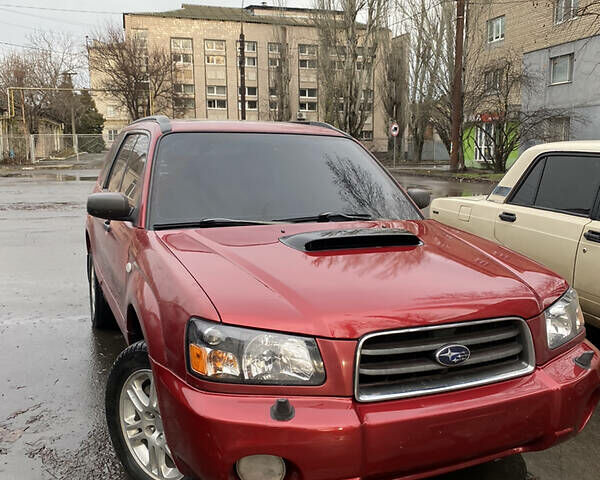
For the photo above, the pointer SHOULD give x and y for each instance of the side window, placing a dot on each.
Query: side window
(570, 184)
(116, 174)
(109, 159)
(528, 189)
(132, 180)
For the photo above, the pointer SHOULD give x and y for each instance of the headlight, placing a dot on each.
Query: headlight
(564, 319)
(241, 355)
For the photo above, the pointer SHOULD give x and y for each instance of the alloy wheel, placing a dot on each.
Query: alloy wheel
(142, 427)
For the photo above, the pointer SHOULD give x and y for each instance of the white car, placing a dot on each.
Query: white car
(546, 207)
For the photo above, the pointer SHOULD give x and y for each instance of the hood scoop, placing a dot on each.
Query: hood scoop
(326, 240)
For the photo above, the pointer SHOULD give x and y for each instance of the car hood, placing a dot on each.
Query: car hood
(256, 280)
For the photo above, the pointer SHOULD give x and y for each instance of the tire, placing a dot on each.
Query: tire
(100, 313)
(131, 378)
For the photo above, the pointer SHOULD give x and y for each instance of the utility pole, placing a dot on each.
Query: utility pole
(243, 71)
(457, 110)
(69, 82)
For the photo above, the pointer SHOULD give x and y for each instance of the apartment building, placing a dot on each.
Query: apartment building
(204, 46)
(559, 51)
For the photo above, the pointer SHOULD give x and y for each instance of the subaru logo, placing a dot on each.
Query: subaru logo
(452, 355)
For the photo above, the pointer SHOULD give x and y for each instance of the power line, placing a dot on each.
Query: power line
(63, 10)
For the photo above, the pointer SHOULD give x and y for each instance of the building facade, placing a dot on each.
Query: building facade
(557, 50)
(204, 45)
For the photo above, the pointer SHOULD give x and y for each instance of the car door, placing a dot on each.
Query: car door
(546, 214)
(587, 271)
(121, 235)
(108, 259)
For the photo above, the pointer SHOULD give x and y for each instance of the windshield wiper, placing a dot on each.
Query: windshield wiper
(211, 222)
(329, 217)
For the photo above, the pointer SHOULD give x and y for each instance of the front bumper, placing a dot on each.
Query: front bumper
(338, 438)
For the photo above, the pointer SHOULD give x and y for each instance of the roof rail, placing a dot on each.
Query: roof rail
(314, 123)
(163, 122)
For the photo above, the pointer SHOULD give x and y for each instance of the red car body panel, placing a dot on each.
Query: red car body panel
(245, 276)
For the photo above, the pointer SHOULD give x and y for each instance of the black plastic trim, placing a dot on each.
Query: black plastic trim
(351, 239)
(163, 122)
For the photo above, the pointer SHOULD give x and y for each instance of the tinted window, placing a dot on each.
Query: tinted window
(132, 180)
(528, 189)
(116, 174)
(267, 177)
(109, 158)
(570, 184)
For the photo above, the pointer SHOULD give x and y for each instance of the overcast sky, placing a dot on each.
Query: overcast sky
(16, 22)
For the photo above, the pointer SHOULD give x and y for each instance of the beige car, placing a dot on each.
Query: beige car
(546, 207)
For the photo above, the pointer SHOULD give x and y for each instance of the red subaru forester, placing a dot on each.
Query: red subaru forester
(291, 315)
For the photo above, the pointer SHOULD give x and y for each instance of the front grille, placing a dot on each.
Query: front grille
(402, 363)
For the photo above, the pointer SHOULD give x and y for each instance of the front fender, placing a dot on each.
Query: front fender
(164, 296)
(475, 215)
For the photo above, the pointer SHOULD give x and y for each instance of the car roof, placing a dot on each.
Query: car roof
(570, 146)
(230, 126)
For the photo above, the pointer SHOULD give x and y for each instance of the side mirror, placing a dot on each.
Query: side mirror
(421, 197)
(109, 205)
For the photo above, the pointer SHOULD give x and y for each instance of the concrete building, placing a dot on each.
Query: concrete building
(557, 48)
(203, 41)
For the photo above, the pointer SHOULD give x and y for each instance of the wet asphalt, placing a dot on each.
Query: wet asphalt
(53, 367)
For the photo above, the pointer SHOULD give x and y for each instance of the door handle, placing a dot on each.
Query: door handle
(106, 225)
(592, 236)
(507, 217)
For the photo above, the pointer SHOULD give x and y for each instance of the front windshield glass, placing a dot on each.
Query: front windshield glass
(252, 176)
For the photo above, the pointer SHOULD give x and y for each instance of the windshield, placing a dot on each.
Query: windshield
(267, 177)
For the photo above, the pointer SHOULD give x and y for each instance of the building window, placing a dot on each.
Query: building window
(484, 145)
(306, 64)
(249, 47)
(272, 91)
(274, 47)
(217, 90)
(304, 49)
(112, 134)
(249, 61)
(558, 129)
(366, 135)
(178, 44)
(182, 58)
(274, 62)
(141, 37)
(215, 60)
(111, 111)
(250, 105)
(273, 105)
(215, 45)
(492, 79)
(183, 88)
(561, 69)
(565, 10)
(250, 91)
(308, 92)
(184, 103)
(214, 104)
(308, 106)
(495, 29)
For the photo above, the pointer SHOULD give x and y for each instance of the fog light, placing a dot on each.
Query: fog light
(261, 467)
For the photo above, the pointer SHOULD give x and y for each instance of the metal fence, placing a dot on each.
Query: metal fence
(35, 148)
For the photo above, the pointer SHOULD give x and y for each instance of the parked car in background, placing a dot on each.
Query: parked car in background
(547, 207)
(291, 315)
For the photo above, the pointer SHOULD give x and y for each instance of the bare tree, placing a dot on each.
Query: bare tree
(138, 75)
(348, 50)
(502, 120)
(35, 79)
(279, 74)
(393, 82)
(426, 60)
